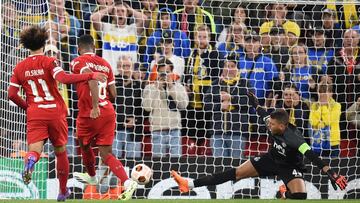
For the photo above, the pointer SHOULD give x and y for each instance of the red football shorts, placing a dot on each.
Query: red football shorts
(100, 130)
(54, 130)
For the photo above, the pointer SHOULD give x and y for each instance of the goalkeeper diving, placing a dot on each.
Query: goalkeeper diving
(284, 159)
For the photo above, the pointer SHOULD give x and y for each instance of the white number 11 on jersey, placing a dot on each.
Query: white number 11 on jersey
(45, 88)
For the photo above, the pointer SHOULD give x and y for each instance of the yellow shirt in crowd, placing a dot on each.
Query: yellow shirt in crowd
(327, 115)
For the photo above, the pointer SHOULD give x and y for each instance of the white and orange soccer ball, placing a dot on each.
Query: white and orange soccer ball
(142, 174)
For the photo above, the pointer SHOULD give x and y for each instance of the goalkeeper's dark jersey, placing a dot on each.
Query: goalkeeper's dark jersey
(286, 148)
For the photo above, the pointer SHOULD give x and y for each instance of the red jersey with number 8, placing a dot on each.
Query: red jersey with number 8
(95, 64)
(36, 75)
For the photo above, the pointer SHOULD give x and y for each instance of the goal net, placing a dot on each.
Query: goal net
(298, 55)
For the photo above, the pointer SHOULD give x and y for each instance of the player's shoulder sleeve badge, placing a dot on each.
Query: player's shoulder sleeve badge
(73, 64)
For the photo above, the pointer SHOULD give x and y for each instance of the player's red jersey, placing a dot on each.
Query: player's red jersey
(36, 75)
(95, 64)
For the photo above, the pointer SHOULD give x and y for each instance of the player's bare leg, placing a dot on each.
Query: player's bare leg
(31, 157)
(62, 169)
(245, 170)
(117, 168)
(295, 189)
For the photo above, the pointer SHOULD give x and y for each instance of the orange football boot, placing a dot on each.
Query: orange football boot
(182, 182)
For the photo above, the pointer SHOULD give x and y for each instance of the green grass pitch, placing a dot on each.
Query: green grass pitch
(185, 201)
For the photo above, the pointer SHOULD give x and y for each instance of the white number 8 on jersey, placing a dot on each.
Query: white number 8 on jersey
(102, 89)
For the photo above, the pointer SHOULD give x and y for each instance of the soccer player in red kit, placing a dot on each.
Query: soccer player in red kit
(96, 119)
(45, 109)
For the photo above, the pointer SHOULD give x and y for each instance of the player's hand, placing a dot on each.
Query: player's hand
(99, 76)
(95, 112)
(337, 180)
(253, 100)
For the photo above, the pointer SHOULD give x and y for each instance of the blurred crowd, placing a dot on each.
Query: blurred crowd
(183, 69)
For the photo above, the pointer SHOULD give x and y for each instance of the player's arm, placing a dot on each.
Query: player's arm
(13, 91)
(254, 102)
(94, 90)
(336, 180)
(14, 97)
(59, 74)
(112, 92)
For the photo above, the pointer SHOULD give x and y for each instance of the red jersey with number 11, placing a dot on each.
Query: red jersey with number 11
(96, 64)
(36, 75)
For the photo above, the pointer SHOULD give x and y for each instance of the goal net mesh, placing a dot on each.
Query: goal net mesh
(298, 55)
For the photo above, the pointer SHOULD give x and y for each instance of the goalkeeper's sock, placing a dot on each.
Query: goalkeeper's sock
(89, 161)
(214, 179)
(62, 168)
(116, 167)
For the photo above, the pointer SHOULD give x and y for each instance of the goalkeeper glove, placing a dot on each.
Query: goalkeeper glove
(253, 100)
(337, 180)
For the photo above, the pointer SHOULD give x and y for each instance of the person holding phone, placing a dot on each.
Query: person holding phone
(164, 98)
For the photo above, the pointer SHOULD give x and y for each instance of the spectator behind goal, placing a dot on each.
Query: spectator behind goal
(297, 109)
(301, 73)
(9, 29)
(333, 31)
(278, 50)
(344, 72)
(163, 99)
(191, 17)
(204, 66)
(319, 54)
(65, 28)
(118, 37)
(165, 29)
(260, 71)
(239, 16)
(234, 40)
(279, 12)
(325, 121)
(227, 101)
(165, 49)
(353, 116)
(129, 112)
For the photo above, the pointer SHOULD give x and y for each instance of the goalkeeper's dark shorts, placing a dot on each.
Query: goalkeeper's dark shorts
(266, 166)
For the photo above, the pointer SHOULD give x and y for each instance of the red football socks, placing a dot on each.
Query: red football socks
(89, 161)
(62, 168)
(116, 167)
(35, 156)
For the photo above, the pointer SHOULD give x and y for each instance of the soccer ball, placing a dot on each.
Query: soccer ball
(142, 174)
